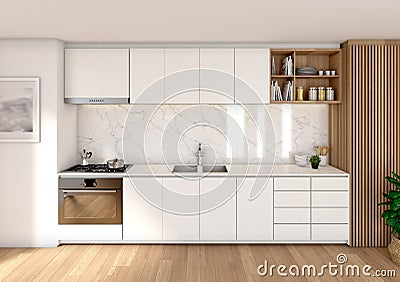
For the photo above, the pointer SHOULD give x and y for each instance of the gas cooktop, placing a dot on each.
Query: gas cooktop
(100, 168)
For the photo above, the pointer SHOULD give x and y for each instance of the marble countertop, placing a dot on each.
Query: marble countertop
(236, 170)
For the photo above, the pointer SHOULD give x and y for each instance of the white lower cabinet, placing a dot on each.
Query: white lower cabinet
(292, 215)
(255, 216)
(292, 209)
(311, 209)
(218, 209)
(142, 214)
(292, 199)
(330, 209)
(330, 215)
(174, 209)
(292, 232)
(181, 209)
(330, 232)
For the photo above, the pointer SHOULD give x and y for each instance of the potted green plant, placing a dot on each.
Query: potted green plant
(315, 160)
(392, 215)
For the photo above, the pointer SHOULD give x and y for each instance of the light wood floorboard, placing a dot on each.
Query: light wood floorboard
(179, 262)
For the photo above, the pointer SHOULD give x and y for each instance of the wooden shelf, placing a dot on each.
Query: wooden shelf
(321, 59)
(306, 102)
(282, 76)
(304, 76)
(316, 76)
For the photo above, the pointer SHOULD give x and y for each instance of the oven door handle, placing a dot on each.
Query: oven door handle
(69, 193)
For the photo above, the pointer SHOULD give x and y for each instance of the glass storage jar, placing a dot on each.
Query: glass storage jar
(321, 93)
(312, 94)
(300, 92)
(330, 94)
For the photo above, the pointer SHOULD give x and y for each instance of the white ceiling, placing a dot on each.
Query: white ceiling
(279, 21)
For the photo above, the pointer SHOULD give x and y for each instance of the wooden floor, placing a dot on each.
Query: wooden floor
(179, 262)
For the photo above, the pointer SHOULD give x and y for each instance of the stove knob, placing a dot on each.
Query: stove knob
(83, 184)
(94, 184)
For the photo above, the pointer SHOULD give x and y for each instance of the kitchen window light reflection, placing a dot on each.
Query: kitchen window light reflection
(286, 130)
(237, 115)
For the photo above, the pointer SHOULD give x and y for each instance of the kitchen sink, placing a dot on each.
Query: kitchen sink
(206, 169)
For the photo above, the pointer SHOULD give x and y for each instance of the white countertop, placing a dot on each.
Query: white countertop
(236, 170)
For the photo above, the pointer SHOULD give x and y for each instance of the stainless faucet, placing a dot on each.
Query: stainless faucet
(200, 155)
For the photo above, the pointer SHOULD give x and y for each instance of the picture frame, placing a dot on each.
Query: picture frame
(20, 109)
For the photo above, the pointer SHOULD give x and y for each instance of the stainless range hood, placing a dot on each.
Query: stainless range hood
(96, 101)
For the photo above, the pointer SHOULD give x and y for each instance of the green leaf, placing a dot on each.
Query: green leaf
(394, 194)
(388, 214)
(396, 175)
(397, 201)
(393, 181)
(392, 221)
(393, 207)
(385, 203)
(386, 196)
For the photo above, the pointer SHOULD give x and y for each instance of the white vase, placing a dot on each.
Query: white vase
(323, 160)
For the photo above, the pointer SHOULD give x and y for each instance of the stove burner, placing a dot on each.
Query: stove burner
(96, 168)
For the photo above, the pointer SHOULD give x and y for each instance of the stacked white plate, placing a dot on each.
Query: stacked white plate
(301, 159)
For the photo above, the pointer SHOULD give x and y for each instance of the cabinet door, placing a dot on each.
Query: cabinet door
(180, 209)
(147, 76)
(218, 209)
(254, 216)
(142, 219)
(182, 76)
(252, 69)
(217, 74)
(97, 73)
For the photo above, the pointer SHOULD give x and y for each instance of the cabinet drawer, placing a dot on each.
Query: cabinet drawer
(289, 215)
(329, 183)
(330, 215)
(330, 199)
(291, 183)
(331, 232)
(292, 232)
(292, 199)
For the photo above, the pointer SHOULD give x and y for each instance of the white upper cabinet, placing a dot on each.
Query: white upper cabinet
(217, 70)
(147, 76)
(218, 209)
(97, 75)
(255, 216)
(182, 76)
(252, 69)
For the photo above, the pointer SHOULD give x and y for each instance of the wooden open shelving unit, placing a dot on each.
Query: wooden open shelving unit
(321, 59)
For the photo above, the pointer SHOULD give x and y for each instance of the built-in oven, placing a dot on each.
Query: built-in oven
(90, 201)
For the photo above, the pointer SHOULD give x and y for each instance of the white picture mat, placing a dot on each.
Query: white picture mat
(22, 87)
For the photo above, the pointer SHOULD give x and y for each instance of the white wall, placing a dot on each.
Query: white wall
(28, 172)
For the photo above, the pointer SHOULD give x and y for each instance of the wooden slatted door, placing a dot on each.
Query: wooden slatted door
(365, 133)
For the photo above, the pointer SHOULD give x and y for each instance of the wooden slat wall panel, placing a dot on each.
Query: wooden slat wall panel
(364, 132)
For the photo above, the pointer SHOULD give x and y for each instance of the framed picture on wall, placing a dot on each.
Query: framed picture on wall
(19, 109)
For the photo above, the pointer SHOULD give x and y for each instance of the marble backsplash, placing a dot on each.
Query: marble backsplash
(228, 133)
